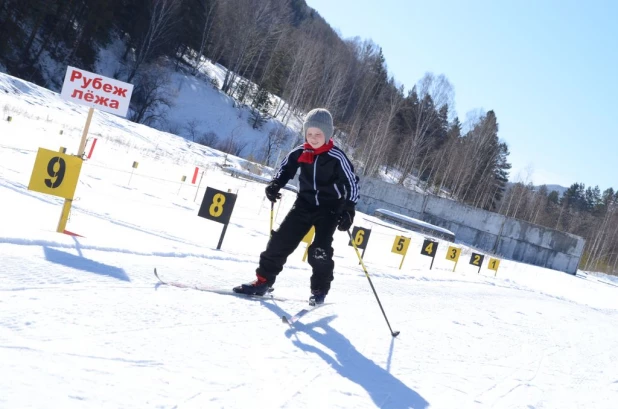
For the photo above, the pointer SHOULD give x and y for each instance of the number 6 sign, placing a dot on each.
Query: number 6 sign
(217, 206)
(361, 238)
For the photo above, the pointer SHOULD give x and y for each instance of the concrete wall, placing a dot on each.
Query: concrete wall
(491, 232)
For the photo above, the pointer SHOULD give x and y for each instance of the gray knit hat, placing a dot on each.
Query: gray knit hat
(319, 118)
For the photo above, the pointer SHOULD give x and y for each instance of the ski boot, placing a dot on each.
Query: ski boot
(259, 287)
(317, 297)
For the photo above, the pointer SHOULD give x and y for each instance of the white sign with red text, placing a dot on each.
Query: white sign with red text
(96, 91)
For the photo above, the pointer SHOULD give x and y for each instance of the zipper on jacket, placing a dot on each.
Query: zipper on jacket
(315, 185)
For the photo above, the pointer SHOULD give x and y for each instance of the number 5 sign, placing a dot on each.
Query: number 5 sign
(217, 206)
(55, 173)
(400, 246)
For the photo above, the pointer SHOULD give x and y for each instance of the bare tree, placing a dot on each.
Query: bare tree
(160, 27)
(426, 98)
(192, 128)
(151, 96)
(377, 144)
(232, 144)
(207, 139)
(209, 14)
(276, 138)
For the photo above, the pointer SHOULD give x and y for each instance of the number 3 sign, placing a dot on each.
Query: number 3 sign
(217, 206)
(55, 173)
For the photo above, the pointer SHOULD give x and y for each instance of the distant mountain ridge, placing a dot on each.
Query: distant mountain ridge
(550, 188)
(557, 188)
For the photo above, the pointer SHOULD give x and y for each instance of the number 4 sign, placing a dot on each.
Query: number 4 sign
(218, 206)
(429, 249)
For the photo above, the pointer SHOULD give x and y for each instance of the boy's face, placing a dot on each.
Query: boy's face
(315, 137)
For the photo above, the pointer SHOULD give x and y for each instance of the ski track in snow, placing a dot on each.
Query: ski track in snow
(85, 324)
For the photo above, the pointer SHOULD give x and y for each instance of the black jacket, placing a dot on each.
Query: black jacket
(329, 181)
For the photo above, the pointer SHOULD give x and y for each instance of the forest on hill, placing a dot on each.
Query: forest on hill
(285, 48)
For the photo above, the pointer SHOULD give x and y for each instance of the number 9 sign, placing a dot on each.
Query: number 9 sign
(55, 173)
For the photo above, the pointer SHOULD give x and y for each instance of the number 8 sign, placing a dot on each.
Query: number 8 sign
(217, 205)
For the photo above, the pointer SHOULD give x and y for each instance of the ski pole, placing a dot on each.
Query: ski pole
(272, 209)
(393, 333)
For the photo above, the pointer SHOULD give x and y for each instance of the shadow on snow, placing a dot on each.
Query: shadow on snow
(386, 391)
(81, 263)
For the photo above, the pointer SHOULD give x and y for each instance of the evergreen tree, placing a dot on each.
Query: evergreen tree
(575, 197)
(609, 197)
(260, 107)
(593, 199)
(554, 197)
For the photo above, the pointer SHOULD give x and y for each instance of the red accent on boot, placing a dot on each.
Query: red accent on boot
(260, 280)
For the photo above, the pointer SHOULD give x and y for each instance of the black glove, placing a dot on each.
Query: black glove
(272, 191)
(346, 216)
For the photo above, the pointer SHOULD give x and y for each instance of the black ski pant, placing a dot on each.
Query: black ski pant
(286, 239)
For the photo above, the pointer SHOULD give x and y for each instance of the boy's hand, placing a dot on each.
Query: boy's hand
(272, 191)
(346, 217)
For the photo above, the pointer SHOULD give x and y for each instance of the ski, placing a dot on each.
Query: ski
(217, 290)
(296, 317)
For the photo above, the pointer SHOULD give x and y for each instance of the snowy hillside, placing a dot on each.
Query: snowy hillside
(85, 324)
(198, 107)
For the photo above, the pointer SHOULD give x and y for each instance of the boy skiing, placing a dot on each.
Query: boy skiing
(327, 195)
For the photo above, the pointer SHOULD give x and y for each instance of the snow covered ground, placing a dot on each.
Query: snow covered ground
(84, 323)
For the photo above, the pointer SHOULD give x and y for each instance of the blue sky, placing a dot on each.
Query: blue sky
(549, 70)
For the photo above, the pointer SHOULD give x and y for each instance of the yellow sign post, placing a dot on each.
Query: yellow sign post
(400, 246)
(68, 202)
(308, 239)
(89, 89)
(56, 174)
(494, 264)
(133, 167)
(453, 254)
